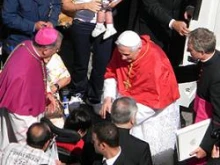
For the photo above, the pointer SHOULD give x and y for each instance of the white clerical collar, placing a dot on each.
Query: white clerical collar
(112, 160)
(208, 58)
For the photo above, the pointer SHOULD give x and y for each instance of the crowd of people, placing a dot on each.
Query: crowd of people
(132, 88)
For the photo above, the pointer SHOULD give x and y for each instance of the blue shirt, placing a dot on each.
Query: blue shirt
(20, 16)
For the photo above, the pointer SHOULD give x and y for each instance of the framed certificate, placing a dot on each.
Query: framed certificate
(189, 138)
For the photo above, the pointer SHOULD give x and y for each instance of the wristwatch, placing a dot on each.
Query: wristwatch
(57, 86)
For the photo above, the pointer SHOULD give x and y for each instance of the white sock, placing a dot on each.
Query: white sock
(99, 24)
(109, 26)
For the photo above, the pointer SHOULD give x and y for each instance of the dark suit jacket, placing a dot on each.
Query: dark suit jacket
(153, 18)
(213, 161)
(208, 89)
(121, 160)
(135, 150)
(155, 15)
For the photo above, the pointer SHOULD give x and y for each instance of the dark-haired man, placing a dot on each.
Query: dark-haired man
(105, 137)
(32, 153)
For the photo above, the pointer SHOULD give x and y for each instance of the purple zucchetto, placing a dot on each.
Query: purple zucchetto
(46, 36)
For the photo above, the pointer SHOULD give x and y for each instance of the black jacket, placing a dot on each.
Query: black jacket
(121, 160)
(136, 150)
(208, 88)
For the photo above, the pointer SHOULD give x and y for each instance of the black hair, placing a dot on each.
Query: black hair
(79, 119)
(107, 132)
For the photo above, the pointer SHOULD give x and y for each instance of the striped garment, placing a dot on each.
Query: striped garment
(22, 154)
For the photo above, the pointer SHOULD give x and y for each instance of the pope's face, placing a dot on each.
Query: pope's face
(127, 54)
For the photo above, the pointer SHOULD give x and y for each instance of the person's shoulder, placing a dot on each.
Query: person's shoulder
(122, 160)
(128, 140)
(138, 142)
(26, 42)
(14, 145)
(217, 52)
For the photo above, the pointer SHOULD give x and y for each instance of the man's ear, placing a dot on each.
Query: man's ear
(103, 145)
(45, 52)
(132, 121)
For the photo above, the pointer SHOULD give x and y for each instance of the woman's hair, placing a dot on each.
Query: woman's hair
(79, 119)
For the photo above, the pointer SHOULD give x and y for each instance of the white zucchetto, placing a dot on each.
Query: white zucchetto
(129, 39)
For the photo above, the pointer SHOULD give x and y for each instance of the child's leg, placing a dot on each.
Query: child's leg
(108, 17)
(110, 30)
(99, 28)
(101, 17)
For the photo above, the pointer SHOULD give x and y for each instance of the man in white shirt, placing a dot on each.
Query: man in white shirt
(32, 153)
(105, 137)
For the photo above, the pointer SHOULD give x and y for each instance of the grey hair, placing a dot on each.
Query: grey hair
(123, 110)
(202, 40)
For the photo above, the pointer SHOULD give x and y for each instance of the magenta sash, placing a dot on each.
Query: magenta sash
(203, 111)
(202, 108)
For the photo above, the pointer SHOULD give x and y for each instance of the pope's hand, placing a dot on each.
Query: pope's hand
(106, 107)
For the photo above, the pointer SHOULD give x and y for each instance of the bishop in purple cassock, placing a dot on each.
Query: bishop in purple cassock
(23, 94)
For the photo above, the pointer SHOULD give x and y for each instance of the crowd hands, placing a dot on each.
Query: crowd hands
(41, 24)
(180, 26)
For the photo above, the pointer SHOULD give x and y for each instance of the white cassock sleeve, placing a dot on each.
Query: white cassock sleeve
(110, 88)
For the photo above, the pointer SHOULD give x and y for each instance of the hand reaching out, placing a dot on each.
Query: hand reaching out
(106, 107)
(41, 24)
(180, 27)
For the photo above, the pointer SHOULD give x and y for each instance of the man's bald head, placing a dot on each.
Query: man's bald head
(38, 134)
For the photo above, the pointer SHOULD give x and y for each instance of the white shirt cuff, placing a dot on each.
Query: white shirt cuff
(170, 24)
(110, 88)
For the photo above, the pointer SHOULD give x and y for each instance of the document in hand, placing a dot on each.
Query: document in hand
(189, 138)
